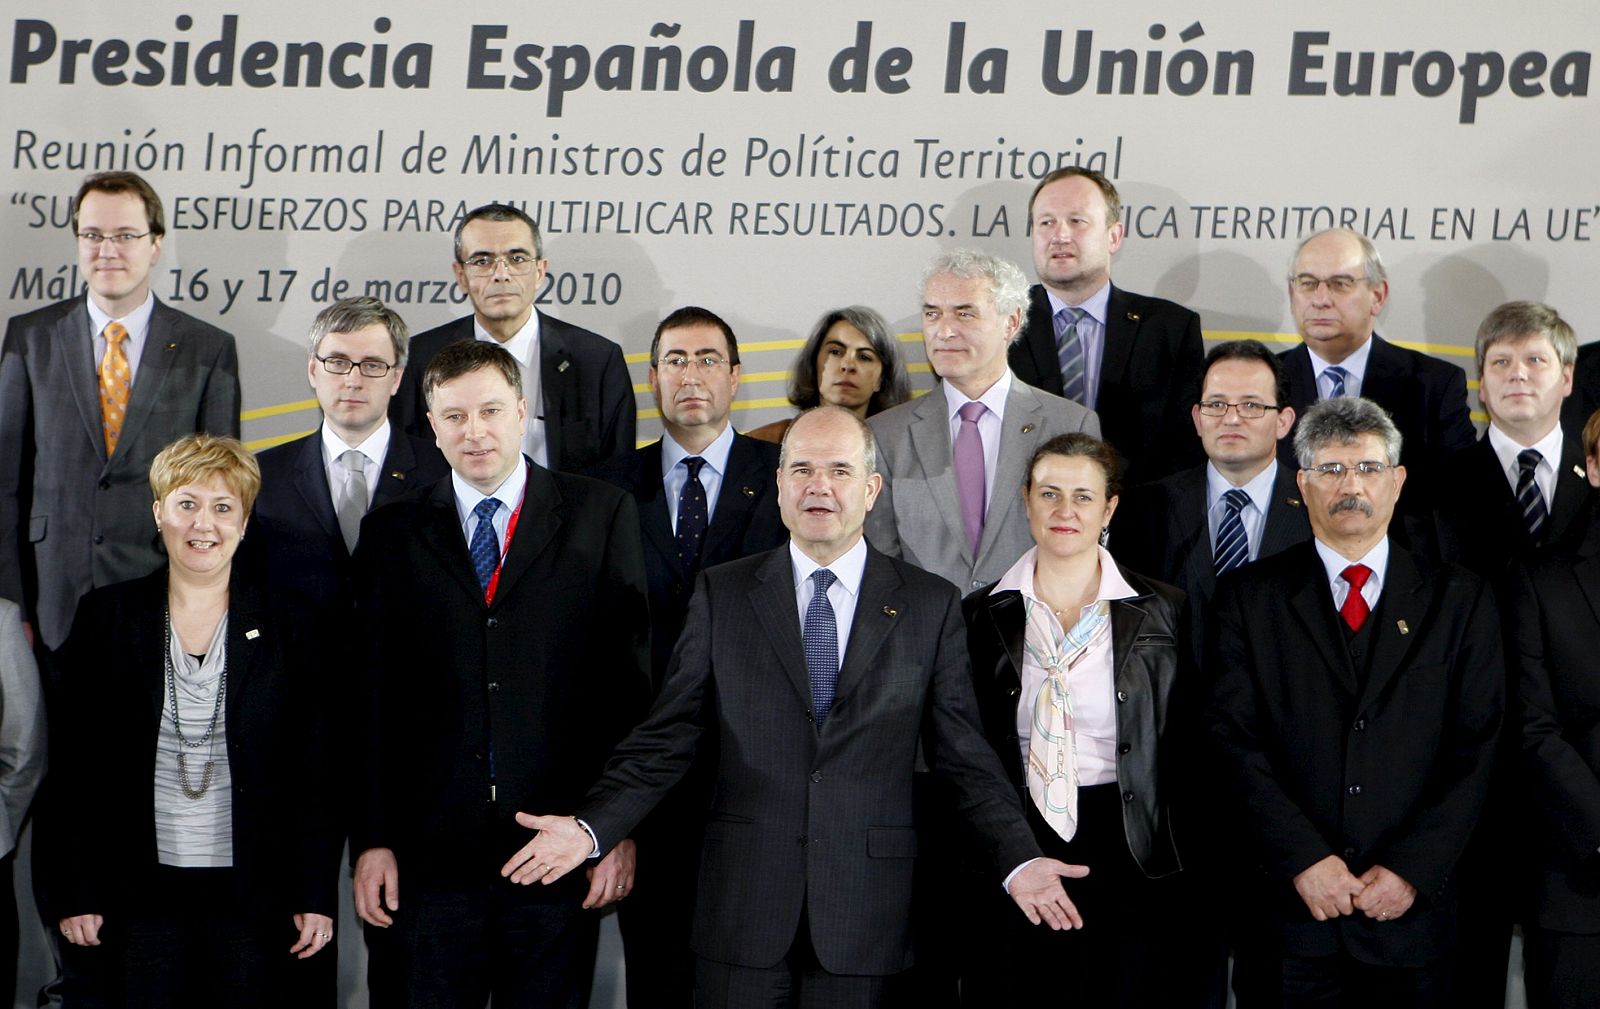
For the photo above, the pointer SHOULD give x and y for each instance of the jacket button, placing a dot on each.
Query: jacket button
(477, 755)
(492, 623)
(977, 584)
(1124, 747)
(1122, 697)
(801, 840)
(816, 775)
(1349, 854)
(98, 539)
(1354, 789)
(1127, 796)
(1361, 724)
(494, 686)
(105, 484)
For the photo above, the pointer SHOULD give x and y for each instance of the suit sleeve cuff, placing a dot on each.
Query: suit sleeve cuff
(594, 852)
(1012, 874)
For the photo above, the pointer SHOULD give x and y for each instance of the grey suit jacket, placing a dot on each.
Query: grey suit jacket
(71, 519)
(918, 514)
(22, 733)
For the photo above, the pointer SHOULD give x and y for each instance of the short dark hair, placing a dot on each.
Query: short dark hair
(123, 182)
(466, 356)
(1107, 189)
(500, 212)
(694, 315)
(895, 387)
(1076, 444)
(1250, 350)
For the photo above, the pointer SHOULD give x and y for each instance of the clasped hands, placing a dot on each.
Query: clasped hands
(1330, 890)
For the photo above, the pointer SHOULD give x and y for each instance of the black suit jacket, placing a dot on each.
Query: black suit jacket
(1149, 656)
(70, 518)
(278, 714)
(1161, 529)
(1426, 397)
(1556, 610)
(293, 539)
(746, 521)
(547, 678)
(588, 396)
(801, 818)
(1480, 523)
(1585, 398)
(1311, 763)
(1149, 377)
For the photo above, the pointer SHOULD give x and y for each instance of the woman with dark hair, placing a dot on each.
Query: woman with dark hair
(197, 843)
(1075, 661)
(851, 359)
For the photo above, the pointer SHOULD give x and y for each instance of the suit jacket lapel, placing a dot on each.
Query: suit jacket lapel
(741, 485)
(396, 468)
(1127, 618)
(1312, 603)
(650, 490)
(162, 345)
(1302, 384)
(1191, 530)
(311, 481)
(554, 363)
(1021, 433)
(773, 600)
(441, 533)
(1286, 522)
(244, 642)
(1572, 490)
(1007, 615)
(1122, 329)
(147, 642)
(537, 525)
(1405, 604)
(930, 438)
(77, 350)
(878, 608)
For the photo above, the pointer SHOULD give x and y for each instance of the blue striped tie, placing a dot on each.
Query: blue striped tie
(484, 549)
(821, 637)
(1233, 546)
(1336, 375)
(1069, 353)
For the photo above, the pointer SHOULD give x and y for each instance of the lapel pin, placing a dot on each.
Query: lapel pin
(1404, 629)
(172, 346)
(890, 611)
(1293, 502)
(1133, 316)
(252, 634)
(1027, 429)
(563, 366)
(1580, 471)
(397, 474)
(748, 491)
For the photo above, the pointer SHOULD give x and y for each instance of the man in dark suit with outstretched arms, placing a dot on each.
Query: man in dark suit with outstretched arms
(1356, 698)
(818, 667)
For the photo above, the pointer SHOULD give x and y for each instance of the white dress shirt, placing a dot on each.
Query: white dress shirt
(990, 425)
(1091, 333)
(674, 474)
(524, 346)
(136, 322)
(1544, 475)
(373, 451)
(1334, 563)
(1253, 515)
(847, 568)
(1355, 365)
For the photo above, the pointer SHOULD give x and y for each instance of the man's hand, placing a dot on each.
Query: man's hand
(316, 931)
(559, 847)
(612, 879)
(1328, 888)
(1037, 890)
(1386, 896)
(83, 929)
(377, 886)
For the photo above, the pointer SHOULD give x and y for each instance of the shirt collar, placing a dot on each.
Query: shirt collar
(522, 346)
(1020, 578)
(994, 398)
(375, 448)
(509, 493)
(848, 567)
(1259, 487)
(715, 454)
(1506, 450)
(136, 322)
(1334, 563)
(1355, 364)
(1095, 307)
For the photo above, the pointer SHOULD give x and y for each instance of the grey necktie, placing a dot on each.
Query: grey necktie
(352, 501)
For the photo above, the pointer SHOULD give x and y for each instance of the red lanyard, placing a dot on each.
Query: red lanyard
(511, 528)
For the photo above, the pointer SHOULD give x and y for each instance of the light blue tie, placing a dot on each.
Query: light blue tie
(485, 550)
(821, 637)
(1069, 353)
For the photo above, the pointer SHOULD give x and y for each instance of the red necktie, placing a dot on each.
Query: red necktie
(1355, 608)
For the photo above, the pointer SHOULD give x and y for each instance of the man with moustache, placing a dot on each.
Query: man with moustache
(580, 398)
(706, 495)
(1133, 359)
(1356, 696)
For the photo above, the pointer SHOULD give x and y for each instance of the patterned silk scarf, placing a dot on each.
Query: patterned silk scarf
(1052, 745)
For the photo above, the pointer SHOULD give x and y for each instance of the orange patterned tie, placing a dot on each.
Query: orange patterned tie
(115, 382)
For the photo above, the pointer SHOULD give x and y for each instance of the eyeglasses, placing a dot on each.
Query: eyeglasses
(677, 364)
(517, 264)
(1248, 410)
(119, 239)
(1307, 284)
(343, 365)
(1333, 472)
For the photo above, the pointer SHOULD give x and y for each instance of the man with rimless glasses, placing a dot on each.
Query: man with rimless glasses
(580, 399)
(1356, 696)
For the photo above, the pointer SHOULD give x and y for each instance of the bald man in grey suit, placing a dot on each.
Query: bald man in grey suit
(973, 308)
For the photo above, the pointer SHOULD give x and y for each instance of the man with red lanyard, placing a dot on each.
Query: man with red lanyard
(507, 607)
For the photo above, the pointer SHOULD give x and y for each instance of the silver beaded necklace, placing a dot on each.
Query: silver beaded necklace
(184, 781)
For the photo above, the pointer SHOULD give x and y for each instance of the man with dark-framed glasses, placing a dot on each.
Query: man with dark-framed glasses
(580, 399)
(1356, 696)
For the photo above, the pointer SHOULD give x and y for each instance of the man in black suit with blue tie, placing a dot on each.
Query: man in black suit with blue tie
(706, 494)
(315, 490)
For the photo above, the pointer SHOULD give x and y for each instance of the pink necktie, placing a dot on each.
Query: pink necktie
(969, 473)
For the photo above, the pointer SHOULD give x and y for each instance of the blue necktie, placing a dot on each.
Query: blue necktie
(692, 516)
(1233, 546)
(1528, 497)
(821, 636)
(1336, 375)
(485, 550)
(1069, 353)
